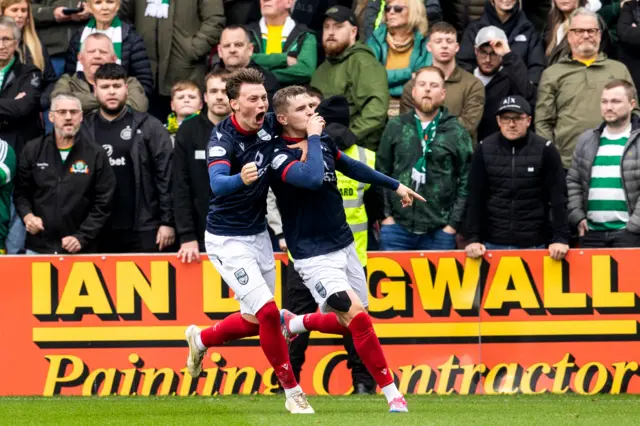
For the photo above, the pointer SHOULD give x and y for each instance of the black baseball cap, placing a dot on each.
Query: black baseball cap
(514, 104)
(341, 14)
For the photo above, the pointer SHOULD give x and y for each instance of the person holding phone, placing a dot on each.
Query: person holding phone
(56, 21)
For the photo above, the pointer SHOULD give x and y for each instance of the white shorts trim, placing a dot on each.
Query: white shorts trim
(330, 273)
(247, 265)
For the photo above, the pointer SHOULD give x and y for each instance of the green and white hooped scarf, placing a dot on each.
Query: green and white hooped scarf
(157, 9)
(114, 32)
(419, 172)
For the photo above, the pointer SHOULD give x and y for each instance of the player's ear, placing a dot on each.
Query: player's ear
(234, 104)
(281, 119)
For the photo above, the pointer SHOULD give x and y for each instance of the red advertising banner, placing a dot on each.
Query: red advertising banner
(514, 322)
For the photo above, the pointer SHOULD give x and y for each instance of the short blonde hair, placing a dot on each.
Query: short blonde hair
(417, 19)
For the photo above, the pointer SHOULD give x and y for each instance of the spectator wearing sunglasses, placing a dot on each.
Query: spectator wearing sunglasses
(400, 44)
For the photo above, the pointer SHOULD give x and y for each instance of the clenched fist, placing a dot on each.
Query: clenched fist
(315, 125)
(249, 173)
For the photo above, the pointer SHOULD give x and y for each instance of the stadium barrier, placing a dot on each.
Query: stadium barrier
(515, 322)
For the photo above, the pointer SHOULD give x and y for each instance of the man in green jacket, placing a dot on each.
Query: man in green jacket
(428, 150)
(178, 36)
(7, 173)
(352, 70)
(283, 46)
(568, 102)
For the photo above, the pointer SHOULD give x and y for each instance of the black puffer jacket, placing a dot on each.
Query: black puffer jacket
(524, 40)
(509, 81)
(513, 186)
(134, 57)
(49, 76)
(152, 157)
(629, 34)
(20, 118)
(464, 11)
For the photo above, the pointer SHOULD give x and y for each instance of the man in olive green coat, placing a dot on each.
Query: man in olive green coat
(178, 36)
(569, 92)
(352, 70)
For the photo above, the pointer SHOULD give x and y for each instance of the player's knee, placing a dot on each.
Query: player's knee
(340, 302)
(268, 313)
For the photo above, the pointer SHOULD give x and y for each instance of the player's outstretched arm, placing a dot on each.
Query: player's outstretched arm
(308, 175)
(363, 173)
(221, 183)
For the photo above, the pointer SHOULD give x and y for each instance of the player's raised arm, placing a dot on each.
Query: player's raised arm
(220, 153)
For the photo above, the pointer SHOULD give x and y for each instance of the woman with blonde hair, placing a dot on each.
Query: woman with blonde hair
(32, 50)
(400, 44)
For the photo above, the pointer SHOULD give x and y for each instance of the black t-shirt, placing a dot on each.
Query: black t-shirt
(116, 138)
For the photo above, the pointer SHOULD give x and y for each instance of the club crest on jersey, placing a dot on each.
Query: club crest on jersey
(79, 167)
(321, 290)
(241, 276)
(126, 133)
(259, 158)
(262, 134)
(278, 161)
(217, 151)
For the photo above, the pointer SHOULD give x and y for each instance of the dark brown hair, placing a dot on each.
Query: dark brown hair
(282, 97)
(628, 87)
(444, 28)
(221, 73)
(240, 77)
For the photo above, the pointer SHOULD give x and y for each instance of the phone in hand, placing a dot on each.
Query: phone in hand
(68, 11)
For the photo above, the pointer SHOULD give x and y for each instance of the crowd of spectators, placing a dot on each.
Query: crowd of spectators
(515, 119)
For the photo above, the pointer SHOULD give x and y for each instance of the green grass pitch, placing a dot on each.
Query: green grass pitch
(343, 411)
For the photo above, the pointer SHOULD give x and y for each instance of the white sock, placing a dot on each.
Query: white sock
(391, 392)
(296, 325)
(290, 392)
(199, 343)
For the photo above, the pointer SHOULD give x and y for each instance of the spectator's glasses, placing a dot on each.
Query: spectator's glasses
(6, 41)
(396, 8)
(483, 54)
(65, 112)
(581, 32)
(515, 119)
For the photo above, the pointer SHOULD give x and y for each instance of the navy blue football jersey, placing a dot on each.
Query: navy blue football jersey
(314, 222)
(242, 212)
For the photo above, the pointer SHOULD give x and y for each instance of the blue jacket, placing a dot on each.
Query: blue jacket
(420, 57)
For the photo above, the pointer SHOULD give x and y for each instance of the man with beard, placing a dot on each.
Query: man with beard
(97, 50)
(428, 150)
(524, 39)
(465, 94)
(191, 190)
(516, 183)
(64, 186)
(565, 107)
(603, 185)
(353, 71)
(503, 74)
(139, 150)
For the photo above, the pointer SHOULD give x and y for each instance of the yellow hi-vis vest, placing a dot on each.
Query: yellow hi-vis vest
(353, 200)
